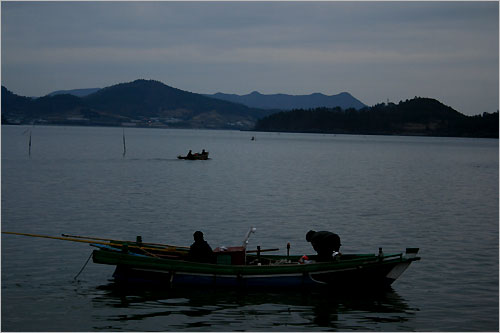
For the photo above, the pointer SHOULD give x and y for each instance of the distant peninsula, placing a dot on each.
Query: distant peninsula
(418, 116)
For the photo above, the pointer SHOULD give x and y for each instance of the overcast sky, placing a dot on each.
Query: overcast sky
(373, 50)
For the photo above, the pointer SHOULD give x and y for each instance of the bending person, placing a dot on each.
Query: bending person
(325, 243)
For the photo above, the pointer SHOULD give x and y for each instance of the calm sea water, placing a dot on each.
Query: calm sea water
(438, 194)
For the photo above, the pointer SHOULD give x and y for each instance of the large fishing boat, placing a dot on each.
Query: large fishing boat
(170, 266)
(237, 268)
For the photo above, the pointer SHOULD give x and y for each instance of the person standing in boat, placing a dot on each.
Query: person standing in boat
(200, 251)
(325, 243)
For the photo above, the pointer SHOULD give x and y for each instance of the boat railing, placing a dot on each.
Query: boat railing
(294, 259)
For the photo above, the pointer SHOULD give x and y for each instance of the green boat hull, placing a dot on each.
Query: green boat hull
(350, 270)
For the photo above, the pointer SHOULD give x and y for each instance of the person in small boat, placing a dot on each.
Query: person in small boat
(203, 152)
(190, 154)
(325, 243)
(200, 251)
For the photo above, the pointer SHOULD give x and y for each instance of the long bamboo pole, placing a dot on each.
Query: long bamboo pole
(130, 245)
(115, 240)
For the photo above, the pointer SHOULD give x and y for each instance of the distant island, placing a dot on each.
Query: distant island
(418, 116)
(150, 103)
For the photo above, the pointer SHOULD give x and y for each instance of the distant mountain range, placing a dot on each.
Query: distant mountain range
(289, 102)
(154, 104)
(75, 92)
(139, 103)
(149, 103)
(266, 102)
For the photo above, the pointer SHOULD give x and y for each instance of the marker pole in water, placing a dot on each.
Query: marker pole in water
(124, 146)
(29, 146)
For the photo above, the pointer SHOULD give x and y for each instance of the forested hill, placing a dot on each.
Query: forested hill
(419, 116)
(141, 103)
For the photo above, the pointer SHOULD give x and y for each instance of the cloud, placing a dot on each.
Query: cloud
(408, 44)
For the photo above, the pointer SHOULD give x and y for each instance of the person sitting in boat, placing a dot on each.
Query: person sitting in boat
(203, 152)
(325, 243)
(200, 251)
(190, 154)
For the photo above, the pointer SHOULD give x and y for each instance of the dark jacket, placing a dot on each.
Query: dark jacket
(200, 251)
(325, 243)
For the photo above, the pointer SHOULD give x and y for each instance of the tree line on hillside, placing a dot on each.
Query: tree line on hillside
(419, 116)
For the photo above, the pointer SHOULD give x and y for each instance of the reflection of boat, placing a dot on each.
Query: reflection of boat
(254, 309)
(235, 267)
(385, 301)
(195, 156)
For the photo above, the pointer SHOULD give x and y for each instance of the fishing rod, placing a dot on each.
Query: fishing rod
(130, 245)
(121, 241)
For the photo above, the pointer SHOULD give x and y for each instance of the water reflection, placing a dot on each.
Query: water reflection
(188, 309)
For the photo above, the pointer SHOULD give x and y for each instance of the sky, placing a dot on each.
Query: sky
(376, 51)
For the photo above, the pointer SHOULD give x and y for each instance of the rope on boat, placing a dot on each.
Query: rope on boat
(81, 270)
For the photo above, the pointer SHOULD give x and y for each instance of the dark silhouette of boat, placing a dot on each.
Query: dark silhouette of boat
(351, 271)
(196, 156)
(169, 265)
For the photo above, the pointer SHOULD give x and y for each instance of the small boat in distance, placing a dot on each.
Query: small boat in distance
(196, 156)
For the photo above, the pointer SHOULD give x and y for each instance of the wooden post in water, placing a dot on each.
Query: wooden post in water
(29, 146)
(124, 146)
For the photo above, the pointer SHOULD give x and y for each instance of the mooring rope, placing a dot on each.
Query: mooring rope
(81, 270)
